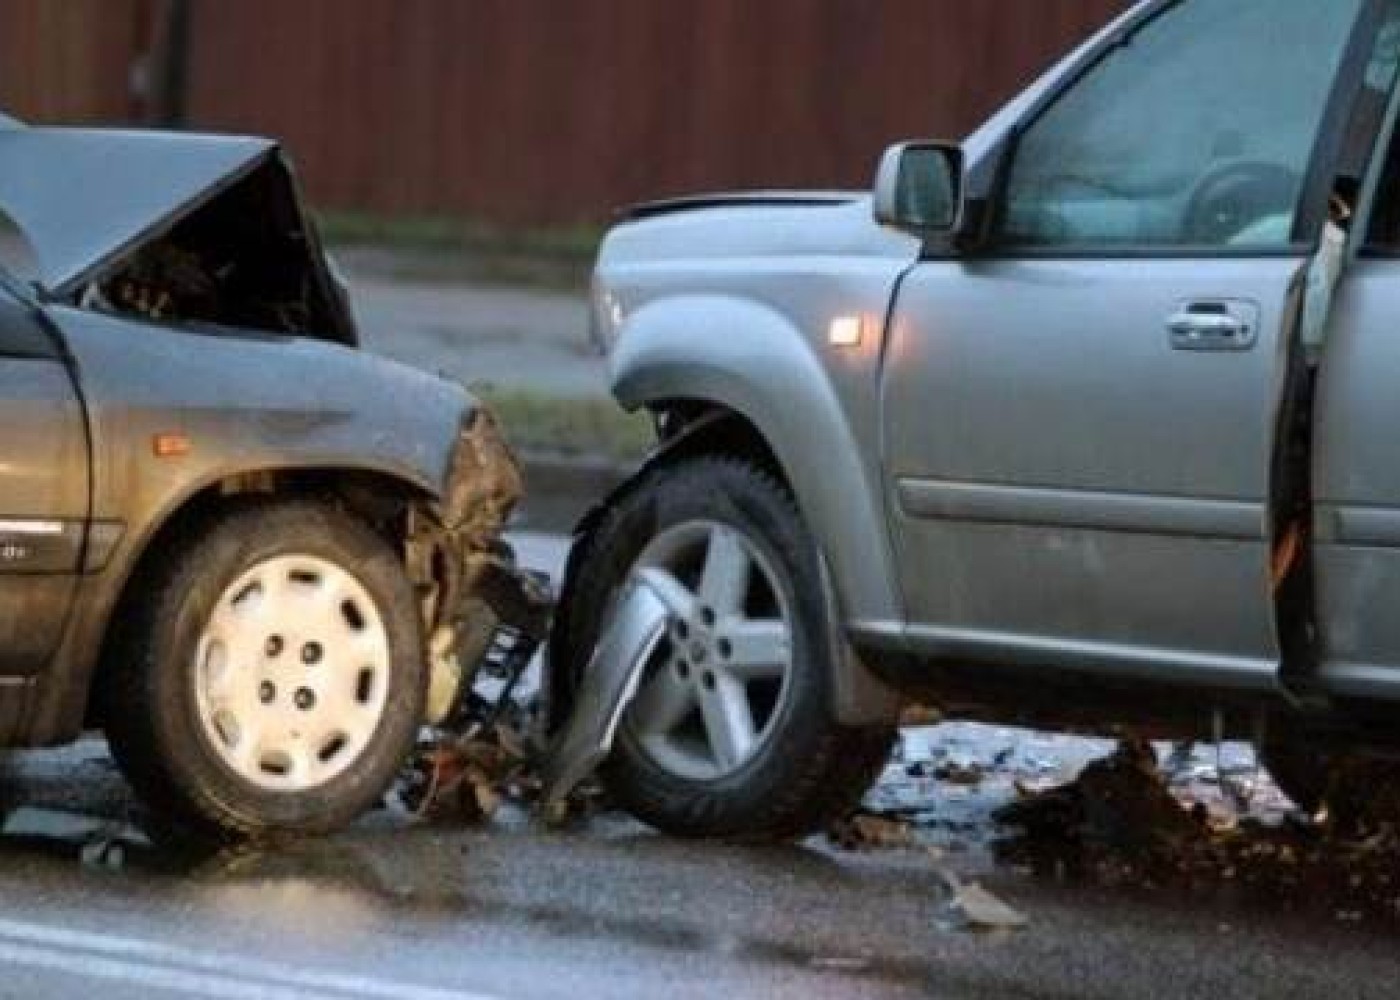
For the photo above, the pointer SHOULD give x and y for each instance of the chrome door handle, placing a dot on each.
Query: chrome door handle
(1212, 327)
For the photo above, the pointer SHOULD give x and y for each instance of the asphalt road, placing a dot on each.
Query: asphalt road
(513, 911)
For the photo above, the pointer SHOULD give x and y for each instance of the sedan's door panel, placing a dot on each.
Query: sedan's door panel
(1069, 476)
(43, 494)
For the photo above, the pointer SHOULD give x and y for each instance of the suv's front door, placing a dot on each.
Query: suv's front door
(43, 491)
(1080, 423)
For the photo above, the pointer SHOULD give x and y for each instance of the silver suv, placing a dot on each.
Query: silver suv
(1088, 420)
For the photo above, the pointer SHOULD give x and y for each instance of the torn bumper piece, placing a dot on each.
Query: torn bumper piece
(609, 687)
(482, 612)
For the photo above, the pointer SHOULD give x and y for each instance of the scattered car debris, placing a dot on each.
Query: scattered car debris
(639, 623)
(1120, 823)
(972, 908)
(490, 747)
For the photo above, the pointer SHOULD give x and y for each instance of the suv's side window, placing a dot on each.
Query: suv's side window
(1198, 131)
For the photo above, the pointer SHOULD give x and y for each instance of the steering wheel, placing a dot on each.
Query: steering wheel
(1234, 196)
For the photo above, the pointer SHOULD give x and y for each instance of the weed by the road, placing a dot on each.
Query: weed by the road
(583, 428)
(443, 248)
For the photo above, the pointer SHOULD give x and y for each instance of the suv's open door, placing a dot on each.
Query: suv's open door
(1081, 420)
(1356, 474)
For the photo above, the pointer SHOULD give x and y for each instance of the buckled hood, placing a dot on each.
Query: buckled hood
(76, 203)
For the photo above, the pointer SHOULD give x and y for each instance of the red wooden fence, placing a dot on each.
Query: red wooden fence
(554, 110)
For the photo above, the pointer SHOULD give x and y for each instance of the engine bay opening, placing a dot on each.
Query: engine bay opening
(246, 258)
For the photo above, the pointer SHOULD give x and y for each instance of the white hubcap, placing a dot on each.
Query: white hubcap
(713, 694)
(292, 673)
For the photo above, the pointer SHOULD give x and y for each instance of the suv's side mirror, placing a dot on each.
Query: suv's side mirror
(919, 188)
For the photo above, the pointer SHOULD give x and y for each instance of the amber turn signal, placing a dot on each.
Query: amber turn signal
(170, 445)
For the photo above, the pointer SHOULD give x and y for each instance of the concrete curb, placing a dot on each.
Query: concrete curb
(560, 489)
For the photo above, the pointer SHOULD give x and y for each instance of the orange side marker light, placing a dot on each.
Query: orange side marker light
(170, 445)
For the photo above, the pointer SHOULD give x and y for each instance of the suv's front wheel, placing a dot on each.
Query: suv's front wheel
(733, 731)
(271, 676)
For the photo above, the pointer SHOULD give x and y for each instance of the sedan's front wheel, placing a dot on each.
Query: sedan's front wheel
(273, 674)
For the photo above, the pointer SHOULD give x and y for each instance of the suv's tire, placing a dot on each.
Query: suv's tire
(234, 715)
(695, 771)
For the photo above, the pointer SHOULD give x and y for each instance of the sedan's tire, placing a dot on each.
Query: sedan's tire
(269, 676)
(733, 732)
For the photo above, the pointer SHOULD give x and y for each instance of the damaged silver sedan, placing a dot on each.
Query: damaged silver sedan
(254, 556)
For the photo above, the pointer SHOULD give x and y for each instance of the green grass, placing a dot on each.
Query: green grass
(449, 248)
(582, 428)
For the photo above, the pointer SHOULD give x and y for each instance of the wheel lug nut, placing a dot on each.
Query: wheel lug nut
(682, 631)
(707, 615)
(311, 653)
(683, 669)
(305, 699)
(709, 680)
(275, 645)
(267, 692)
(725, 649)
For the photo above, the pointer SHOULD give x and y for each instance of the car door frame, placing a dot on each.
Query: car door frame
(1355, 550)
(990, 155)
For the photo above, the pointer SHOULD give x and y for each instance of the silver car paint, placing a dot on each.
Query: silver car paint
(1357, 486)
(734, 305)
(1082, 481)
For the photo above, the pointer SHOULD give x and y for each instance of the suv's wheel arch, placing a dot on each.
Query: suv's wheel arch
(693, 429)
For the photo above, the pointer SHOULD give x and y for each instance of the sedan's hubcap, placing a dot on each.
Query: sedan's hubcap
(292, 673)
(715, 690)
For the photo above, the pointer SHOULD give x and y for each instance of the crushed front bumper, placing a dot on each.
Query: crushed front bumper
(480, 609)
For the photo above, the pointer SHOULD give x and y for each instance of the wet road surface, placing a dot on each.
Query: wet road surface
(396, 908)
(393, 909)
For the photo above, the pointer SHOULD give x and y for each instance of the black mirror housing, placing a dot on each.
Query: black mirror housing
(919, 188)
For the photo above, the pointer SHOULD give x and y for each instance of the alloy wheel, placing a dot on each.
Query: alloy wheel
(715, 689)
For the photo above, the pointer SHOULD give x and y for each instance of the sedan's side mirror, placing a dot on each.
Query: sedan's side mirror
(919, 188)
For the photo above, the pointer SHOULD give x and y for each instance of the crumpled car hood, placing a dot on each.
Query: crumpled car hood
(74, 202)
(81, 198)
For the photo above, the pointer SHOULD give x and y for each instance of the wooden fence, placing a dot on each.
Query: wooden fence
(549, 111)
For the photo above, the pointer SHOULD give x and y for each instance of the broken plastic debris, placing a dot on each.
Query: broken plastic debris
(609, 686)
(973, 908)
